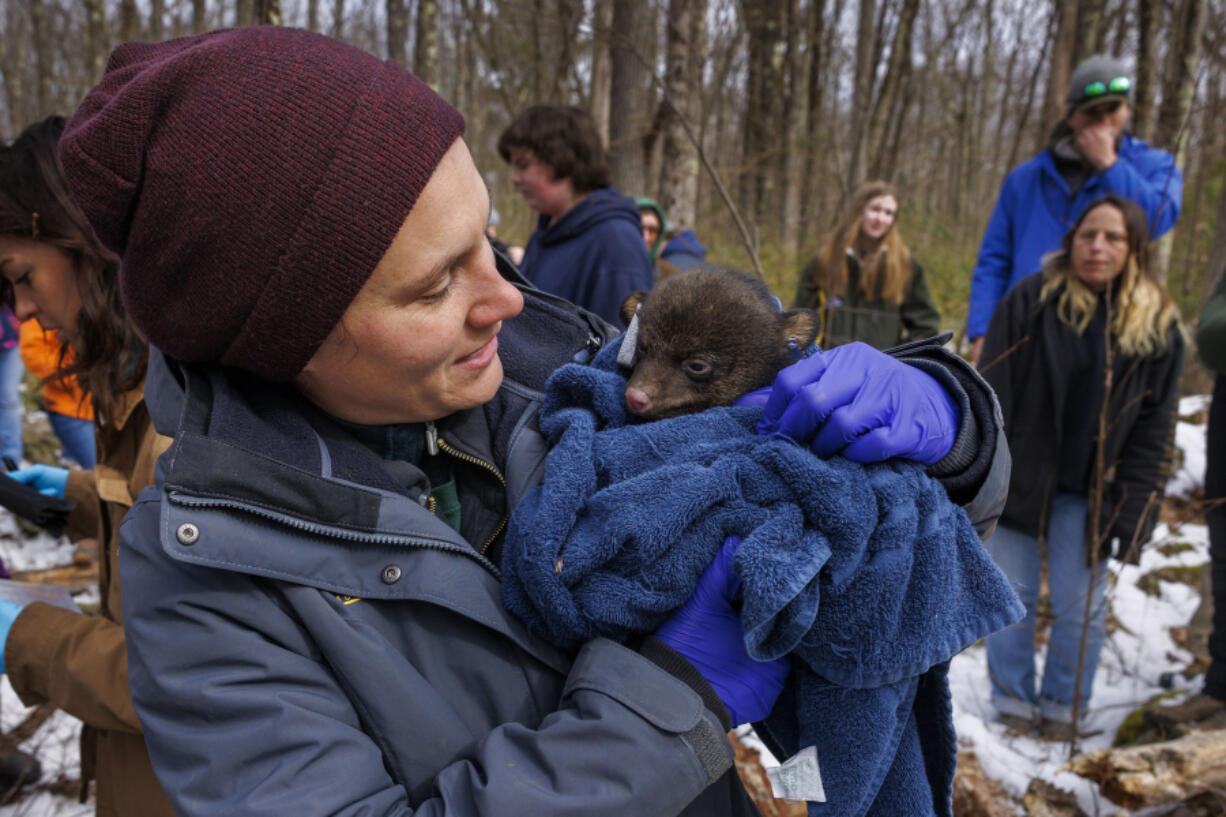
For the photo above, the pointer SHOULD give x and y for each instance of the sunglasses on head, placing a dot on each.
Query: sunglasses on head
(1119, 85)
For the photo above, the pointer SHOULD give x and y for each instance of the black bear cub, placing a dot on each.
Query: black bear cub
(705, 337)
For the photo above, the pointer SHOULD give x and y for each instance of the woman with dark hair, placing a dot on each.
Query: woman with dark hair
(1091, 449)
(588, 243)
(52, 269)
(313, 609)
(864, 282)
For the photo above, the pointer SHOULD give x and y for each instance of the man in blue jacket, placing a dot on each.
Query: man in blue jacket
(588, 243)
(1090, 154)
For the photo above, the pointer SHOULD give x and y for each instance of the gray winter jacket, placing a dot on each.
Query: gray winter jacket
(306, 638)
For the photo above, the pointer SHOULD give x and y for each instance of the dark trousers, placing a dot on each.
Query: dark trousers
(1215, 517)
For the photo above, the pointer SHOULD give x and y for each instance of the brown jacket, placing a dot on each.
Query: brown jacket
(79, 663)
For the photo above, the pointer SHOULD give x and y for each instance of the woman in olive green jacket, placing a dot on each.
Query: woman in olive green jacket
(864, 282)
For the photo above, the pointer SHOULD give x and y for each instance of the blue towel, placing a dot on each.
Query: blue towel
(867, 575)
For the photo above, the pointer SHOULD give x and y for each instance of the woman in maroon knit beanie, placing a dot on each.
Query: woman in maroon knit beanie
(311, 594)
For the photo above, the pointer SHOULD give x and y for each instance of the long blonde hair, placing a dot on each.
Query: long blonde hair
(1143, 313)
(884, 279)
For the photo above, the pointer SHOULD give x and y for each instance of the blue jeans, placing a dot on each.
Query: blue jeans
(1011, 652)
(76, 435)
(11, 371)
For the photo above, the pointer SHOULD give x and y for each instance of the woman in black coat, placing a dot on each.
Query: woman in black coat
(1091, 450)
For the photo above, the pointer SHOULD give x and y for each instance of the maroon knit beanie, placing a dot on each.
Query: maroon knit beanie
(250, 180)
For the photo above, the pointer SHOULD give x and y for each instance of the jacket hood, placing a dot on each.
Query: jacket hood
(684, 241)
(605, 204)
(648, 203)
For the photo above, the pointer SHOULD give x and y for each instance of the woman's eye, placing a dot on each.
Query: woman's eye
(439, 293)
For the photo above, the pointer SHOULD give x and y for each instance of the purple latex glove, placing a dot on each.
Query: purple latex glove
(707, 632)
(856, 401)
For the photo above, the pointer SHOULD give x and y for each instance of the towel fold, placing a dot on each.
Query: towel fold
(867, 575)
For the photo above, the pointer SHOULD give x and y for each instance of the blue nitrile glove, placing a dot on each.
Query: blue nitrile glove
(856, 401)
(46, 479)
(707, 632)
(8, 614)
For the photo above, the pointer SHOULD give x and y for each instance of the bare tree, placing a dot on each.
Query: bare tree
(629, 97)
(862, 92)
(397, 30)
(602, 66)
(1147, 60)
(1060, 67)
(680, 105)
(42, 56)
(425, 43)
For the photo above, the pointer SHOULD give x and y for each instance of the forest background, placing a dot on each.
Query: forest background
(784, 105)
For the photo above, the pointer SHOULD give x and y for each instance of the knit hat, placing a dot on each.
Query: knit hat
(1100, 78)
(250, 180)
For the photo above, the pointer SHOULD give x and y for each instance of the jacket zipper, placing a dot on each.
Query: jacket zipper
(332, 531)
(435, 444)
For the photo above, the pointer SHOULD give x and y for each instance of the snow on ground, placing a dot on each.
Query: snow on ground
(1136, 659)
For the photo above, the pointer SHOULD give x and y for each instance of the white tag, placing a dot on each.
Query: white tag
(798, 778)
(625, 355)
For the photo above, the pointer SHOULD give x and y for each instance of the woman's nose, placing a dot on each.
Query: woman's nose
(24, 307)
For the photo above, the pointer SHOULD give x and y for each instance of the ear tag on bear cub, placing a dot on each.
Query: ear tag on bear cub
(625, 355)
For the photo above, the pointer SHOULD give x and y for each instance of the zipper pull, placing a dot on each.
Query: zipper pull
(431, 438)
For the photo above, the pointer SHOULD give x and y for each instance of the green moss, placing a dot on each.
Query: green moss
(1134, 729)
(1190, 576)
(1174, 548)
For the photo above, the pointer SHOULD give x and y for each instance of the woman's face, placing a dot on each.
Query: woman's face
(420, 340)
(534, 180)
(1100, 247)
(44, 283)
(879, 215)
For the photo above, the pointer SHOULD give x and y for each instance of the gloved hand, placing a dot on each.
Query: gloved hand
(8, 614)
(707, 632)
(46, 479)
(856, 401)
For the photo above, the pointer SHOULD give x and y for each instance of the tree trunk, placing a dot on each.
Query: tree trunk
(1217, 253)
(1157, 774)
(1091, 29)
(861, 93)
(97, 44)
(763, 27)
(266, 12)
(813, 109)
(896, 71)
(628, 97)
(1147, 60)
(157, 14)
(244, 12)
(1178, 87)
(129, 20)
(199, 18)
(1060, 67)
(682, 100)
(397, 31)
(791, 164)
(42, 56)
(338, 18)
(602, 66)
(1179, 76)
(425, 45)
(14, 66)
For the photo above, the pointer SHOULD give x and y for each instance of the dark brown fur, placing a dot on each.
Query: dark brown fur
(707, 336)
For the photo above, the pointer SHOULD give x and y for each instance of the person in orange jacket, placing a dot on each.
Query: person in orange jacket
(69, 411)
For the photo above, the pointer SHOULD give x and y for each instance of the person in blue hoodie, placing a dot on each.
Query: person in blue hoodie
(588, 243)
(1090, 154)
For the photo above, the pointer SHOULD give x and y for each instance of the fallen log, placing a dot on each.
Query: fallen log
(1157, 774)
